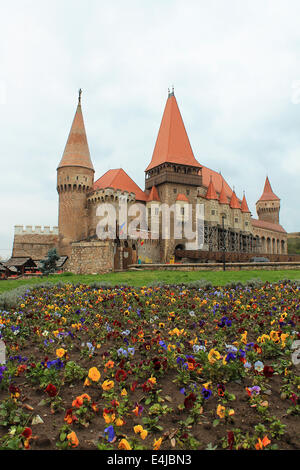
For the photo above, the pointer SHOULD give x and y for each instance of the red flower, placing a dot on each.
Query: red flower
(133, 386)
(268, 371)
(189, 401)
(230, 439)
(51, 390)
(120, 375)
(27, 433)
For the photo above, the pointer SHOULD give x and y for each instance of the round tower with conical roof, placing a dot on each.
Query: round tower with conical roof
(268, 206)
(75, 178)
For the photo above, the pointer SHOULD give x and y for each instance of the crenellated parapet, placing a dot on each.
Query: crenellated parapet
(37, 230)
(110, 195)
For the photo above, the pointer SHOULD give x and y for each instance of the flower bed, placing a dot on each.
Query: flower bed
(151, 368)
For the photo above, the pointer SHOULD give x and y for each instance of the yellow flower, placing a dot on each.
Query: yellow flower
(60, 352)
(274, 335)
(213, 356)
(144, 434)
(94, 374)
(138, 428)
(152, 380)
(124, 445)
(109, 417)
(231, 412)
(283, 337)
(124, 392)
(108, 385)
(221, 411)
(119, 422)
(244, 337)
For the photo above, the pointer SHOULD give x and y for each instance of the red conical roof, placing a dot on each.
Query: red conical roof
(234, 202)
(211, 192)
(182, 197)
(118, 179)
(172, 144)
(77, 152)
(244, 205)
(223, 199)
(268, 194)
(153, 196)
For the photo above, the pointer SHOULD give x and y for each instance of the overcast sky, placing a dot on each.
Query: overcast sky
(235, 66)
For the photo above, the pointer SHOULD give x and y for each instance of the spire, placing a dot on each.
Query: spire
(223, 198)
(244, 205)
(153, 195)
(76, 151)
(268, 194)
(172, 144)
(234, 202)
(211, 192)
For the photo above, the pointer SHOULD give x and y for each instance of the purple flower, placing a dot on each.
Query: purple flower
(206, 393)
(111, 433)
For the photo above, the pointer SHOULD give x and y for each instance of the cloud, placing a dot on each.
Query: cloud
(233, 65)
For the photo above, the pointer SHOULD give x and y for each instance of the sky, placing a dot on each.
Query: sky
(235, 67)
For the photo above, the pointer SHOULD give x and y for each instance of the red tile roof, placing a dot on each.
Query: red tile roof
(268, 194)
(118, 179)
(182, 197)
(223, 199)
(211, 192)
(217, 179)
(172, 144)
(234, 202)
(267, 225)
(76, 151)
(153, 195)
(244, 205)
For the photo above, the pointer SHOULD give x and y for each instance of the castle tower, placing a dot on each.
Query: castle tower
(173, 168)
(224, 208)
(268, 206)
(235, 207)
(75, 178)
(212, 205)
(246, 215)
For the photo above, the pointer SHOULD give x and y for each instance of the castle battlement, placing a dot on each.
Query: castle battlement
(110, 194)
(37, 230)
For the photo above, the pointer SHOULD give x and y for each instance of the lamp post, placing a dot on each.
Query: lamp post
(224, 267)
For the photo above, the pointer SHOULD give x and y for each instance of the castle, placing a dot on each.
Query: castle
(173, 177)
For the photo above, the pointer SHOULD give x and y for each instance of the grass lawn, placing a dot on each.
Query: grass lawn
(168, 277)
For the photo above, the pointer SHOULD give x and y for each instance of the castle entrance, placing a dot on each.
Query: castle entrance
(123, 256)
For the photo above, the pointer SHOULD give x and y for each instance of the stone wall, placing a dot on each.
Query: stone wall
(34, 242)
(219, 266)
(271, 242)
(90, 257)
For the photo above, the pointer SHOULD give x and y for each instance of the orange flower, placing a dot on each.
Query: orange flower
(262, 443)
(109, 364)
(78, 402)
(157, 443)
(94, 374)
(73, 439)
(60, 352)
(124, 445)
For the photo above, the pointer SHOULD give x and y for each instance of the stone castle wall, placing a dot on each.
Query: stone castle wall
(34, 242)
(95, 257)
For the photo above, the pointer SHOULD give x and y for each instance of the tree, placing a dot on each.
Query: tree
(48, 265)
